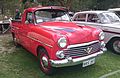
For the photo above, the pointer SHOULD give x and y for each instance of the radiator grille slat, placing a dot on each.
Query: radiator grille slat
(81, 51)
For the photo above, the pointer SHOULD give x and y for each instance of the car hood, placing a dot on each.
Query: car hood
(76, 34)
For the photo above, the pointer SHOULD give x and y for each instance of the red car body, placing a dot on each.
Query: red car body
(34, 36)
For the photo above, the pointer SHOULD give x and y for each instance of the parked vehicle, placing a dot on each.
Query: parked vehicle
(109, 22)
(48, 33)
(4, 26)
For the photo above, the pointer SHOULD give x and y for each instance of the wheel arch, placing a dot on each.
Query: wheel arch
(40, 48)
(113, 39)
(49, 70)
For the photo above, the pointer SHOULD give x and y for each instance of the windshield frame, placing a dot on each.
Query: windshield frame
(52, 19)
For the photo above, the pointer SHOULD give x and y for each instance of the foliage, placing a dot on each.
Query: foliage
(77, 5)
(9, 6)
(105, 4)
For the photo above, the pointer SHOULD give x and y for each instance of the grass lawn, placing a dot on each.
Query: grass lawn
(22, 64)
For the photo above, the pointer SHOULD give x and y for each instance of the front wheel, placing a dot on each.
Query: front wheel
(44, 62)
(115, 45)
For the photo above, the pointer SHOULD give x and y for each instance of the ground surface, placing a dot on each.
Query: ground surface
(18, 63)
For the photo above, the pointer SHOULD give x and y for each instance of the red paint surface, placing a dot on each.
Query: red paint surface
(50, 32)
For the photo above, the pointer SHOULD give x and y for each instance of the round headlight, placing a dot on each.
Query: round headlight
(101, 36)
(62, 42)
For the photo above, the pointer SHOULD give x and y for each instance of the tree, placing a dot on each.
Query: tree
(28, 3)
(65, 3)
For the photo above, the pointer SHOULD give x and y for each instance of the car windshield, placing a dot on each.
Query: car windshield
(51, 15)
(109, 17)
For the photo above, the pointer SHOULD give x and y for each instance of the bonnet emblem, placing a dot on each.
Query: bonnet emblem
(88, 50)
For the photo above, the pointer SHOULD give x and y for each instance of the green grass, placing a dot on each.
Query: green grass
(22, 64)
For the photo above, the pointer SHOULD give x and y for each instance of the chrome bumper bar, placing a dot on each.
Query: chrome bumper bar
(70, 62)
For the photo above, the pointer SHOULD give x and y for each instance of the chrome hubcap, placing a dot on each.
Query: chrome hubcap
(116, 46)
(45, 61)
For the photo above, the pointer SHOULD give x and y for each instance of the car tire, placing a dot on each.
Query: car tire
(44, 62)
(115, 45)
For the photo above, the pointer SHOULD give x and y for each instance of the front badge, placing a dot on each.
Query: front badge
(88, 50)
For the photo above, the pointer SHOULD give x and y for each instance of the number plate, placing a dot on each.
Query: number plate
(88, 62)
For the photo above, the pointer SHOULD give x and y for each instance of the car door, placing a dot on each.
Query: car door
(93, 20)
(79, 18)
(88, 19)
(25, 30)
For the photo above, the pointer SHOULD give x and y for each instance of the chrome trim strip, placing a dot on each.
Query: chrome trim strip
(70, 62)
(83, 44)
(40, 41)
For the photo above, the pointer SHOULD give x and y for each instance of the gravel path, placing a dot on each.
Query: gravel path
(6, 45)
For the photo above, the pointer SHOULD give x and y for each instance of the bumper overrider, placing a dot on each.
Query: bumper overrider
(70, 62)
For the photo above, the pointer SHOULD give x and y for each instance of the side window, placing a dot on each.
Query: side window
(92, 18)
(29, 17)
(80, 17)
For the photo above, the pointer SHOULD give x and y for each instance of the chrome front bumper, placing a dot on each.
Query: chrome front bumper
(70, 62)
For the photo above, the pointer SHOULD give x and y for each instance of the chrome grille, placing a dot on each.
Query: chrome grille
(80, 51)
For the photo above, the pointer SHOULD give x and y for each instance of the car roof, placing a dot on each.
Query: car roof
(95, 12)
(114, 9)
(46, 7)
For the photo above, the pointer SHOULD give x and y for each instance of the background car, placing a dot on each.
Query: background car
(109, 22)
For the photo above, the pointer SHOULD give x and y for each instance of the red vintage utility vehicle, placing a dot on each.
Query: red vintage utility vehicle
(49, 34)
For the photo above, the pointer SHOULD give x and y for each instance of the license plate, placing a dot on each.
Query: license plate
(88, 62)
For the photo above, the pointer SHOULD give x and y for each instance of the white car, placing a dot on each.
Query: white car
(109, 22)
